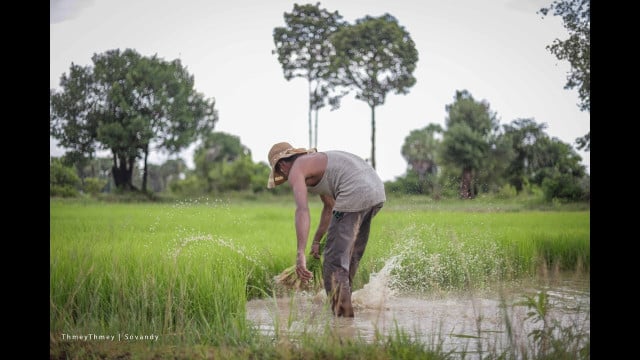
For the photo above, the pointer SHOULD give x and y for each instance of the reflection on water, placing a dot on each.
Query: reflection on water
(469, 322)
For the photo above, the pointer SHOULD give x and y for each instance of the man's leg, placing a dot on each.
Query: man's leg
(341, 237)
(361, 241)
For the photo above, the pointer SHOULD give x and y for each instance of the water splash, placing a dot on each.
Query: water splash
(376, 293)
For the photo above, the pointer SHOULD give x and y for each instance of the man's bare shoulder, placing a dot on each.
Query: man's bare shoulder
(316, 160)
(312, 165)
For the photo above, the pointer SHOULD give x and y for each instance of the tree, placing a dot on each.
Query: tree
(375, 56)
(558, 170)
(542, 161)
(170, 170)
(63, 180)
(576, 16)
(468, 139)
(160, 176)
(127, 103)
(93, 170)
(420, 150)
(304, 50)
(524, 136)
(217, 151)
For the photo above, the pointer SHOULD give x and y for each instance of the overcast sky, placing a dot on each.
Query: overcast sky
(495, 49)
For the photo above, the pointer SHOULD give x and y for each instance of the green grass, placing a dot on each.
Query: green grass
(185, 270)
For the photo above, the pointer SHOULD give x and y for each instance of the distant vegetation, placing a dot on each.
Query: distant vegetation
(524, 163)
(130, 105)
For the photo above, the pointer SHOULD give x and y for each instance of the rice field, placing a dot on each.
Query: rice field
(177, 277)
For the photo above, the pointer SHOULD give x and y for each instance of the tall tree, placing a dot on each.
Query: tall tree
(559, 171)
(304, 51)
(576, 16)
(524, 136)
(543, 161)
(420, 150)
(375, 56)
(218, 149)
(127, 103)
(468, 140)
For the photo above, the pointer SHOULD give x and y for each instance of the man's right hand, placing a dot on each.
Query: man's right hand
(315, 250)
(301, 268)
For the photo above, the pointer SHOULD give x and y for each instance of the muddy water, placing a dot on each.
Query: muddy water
(471, 322)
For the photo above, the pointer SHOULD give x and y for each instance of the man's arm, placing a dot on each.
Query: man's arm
(325, 218)
(296, 179)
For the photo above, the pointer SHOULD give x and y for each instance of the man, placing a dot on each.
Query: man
(352, 194)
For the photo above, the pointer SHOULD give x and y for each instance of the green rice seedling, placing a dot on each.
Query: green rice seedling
(551, 338)
(443, 251)
(288, 279)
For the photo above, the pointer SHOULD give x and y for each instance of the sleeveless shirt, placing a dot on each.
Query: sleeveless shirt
(351, 181)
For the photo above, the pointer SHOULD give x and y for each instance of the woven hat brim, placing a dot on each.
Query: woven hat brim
(276, 177)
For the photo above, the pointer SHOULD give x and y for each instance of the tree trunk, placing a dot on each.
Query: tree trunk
(119, 177)
(465, 186)
(373, 136)
(518, 184)
(309, 115)
(315, 131)
(132, 162)
(122, 175)
(144, 170)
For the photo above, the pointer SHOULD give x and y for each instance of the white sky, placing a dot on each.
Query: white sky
(495, 49)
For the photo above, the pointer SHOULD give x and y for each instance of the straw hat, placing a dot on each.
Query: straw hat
(279, 151)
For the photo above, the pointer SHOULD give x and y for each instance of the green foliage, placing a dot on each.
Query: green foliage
(224, 163)
(375, 56)
(420, 150)
(562, 187)
(413, 184)
(126, 103)
(559, 172)
(191, 186)
(304, 50)
(551, 338)
(238, 175)
(507, 191)
(525, 139)
(468, 139)
(63, 180)
(261, 172)
(94, 185)
(576, 16)
(486, 161)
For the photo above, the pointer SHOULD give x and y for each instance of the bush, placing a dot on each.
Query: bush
(63, 191)
(190, 186)
(63, 180)
(94, 185)
(507, 191)
(562, 187)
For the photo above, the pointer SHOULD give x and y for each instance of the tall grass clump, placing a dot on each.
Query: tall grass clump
(465, 250)
(550, 337)
(125, 269)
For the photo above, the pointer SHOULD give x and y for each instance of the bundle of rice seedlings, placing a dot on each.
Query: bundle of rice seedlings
(288, 278)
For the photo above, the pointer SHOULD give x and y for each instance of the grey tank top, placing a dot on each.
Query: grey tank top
(351, 181)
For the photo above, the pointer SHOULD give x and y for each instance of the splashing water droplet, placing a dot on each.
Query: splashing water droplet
(377, 291)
